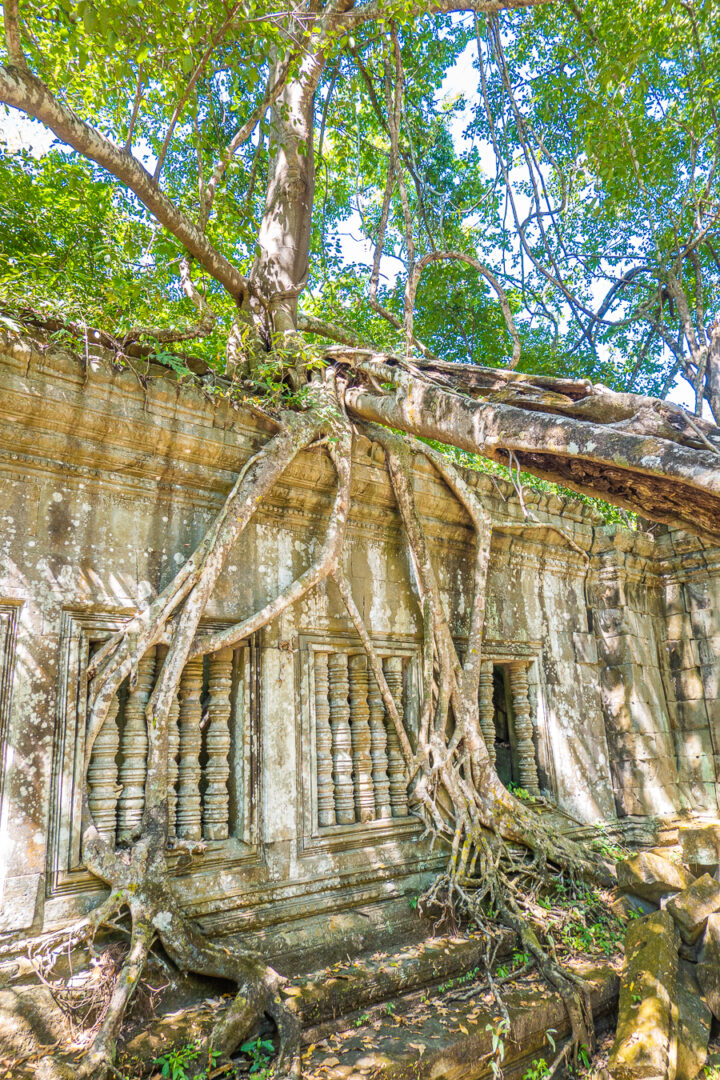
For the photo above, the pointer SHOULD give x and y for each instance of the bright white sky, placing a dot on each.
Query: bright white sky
(18, 132)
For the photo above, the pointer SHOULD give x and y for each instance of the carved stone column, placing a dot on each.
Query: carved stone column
(217, 744)
(189, 809)
(486, 708)
(392, 668)
(341, 738)
(134, 748)
(525, 748)
(360, 733)
(102, 776)
(378, 750)
(172, 773)
(323, 743)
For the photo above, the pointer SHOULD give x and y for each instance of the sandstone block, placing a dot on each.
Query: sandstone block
(708, 965)
(690, 909)
(692, 715)
(645, 1046)
(688, 685)
(628, 906)
(694, 1022)
(700, 846)
(651, 877)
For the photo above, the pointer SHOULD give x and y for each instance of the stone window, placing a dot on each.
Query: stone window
(357, 782)
(212, 754)
(507, 724)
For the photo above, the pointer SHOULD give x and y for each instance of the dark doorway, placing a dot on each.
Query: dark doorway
(504, 756)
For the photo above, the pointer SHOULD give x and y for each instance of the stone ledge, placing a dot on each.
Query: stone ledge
(456, 1045)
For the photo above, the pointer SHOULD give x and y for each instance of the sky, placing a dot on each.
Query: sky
(18, 132)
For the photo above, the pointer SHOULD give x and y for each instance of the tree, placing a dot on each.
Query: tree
(608, 120)
(237, 221)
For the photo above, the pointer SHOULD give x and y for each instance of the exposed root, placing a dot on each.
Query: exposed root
(99, 1059)
(139, 876)
(454, 787)
(457, 791)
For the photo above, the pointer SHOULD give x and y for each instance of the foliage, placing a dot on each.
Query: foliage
(499, 1030)
(178, 1063)
(538, 1070)
(259, 1051)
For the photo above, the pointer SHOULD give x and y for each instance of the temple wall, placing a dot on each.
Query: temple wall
(107, 486)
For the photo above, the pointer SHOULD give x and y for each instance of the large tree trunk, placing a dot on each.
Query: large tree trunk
(281, 266)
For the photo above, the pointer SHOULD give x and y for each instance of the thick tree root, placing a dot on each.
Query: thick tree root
(454, 787)
(139, 876)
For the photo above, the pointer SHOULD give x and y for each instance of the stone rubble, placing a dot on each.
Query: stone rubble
(670, 985)
(651, 877)
(690, 909)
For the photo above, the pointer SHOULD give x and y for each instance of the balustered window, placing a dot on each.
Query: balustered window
(506, 722)
(213, 768)
(201, 797)
(360, 775)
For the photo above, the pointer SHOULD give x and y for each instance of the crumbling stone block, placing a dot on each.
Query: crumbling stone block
(708, 965)
(645, 1046)
(700, 847)
(651, 877)
(690, 909)
(626, 906)
(694, 1021)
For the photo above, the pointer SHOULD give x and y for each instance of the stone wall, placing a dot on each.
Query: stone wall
(606, 647)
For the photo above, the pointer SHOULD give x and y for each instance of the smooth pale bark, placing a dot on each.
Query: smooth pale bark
(656, 477)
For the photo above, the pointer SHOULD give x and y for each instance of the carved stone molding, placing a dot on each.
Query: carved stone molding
(9, 612)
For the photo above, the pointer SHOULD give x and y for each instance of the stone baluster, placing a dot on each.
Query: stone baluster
(486, 707)
(102, 776)
(393, 670)
(133, 750)
(189, 808)
(360, 734)
(323, 743)
(378, 750)
(522, 723)
(217, 744)
(341, 739)
(172, 773)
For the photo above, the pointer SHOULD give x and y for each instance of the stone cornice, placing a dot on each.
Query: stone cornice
(102, 427)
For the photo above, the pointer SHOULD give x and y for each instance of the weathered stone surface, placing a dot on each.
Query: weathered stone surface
(627, 906)
(708, 965)
(700, 845)
(651, 877)
(107, 486)
(694, 1021)
(645, 1046)
(454, 1043)
(31, 1025)
(690, 908)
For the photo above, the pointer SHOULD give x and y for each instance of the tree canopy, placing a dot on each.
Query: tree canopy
(575, 170)
(548, 227)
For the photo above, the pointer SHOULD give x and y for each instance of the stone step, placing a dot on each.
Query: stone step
(344, 988)
(423, 1037)
(331, 993)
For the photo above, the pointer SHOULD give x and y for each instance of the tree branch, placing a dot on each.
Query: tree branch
(24, 91)
(202, 328)
(460, 256)
(377, 9)
(13, 41)
(177, 111)
(272, 92)
(309, 324)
